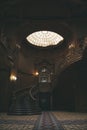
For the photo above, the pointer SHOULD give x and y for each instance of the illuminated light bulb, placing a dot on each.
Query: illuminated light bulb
(36, 73)
(13, 77)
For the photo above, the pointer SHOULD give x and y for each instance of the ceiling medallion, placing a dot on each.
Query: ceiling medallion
(44, 38)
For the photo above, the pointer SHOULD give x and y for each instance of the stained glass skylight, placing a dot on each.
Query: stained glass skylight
(44, 38)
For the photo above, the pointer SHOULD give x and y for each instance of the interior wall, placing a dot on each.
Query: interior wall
(70, 92)
(4, 90)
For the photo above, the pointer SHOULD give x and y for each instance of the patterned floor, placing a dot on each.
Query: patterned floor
(17, 122)
(71, 120)
(45, 121)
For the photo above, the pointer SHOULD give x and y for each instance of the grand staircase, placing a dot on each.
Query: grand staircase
(24, 103)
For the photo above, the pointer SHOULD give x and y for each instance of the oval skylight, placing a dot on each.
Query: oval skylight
(44, 38)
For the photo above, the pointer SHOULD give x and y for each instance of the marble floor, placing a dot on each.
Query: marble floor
(46, 121)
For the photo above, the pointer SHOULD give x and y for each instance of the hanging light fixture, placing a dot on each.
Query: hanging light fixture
(44, 38)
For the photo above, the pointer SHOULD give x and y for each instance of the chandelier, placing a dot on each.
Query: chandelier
(44, 38)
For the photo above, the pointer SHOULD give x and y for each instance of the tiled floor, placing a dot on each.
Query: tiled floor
(61, 121)
(71, 120)
(8, 122)
(47, 122)
(60, 115)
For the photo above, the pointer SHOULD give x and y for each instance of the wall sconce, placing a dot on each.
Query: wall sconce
(71, 46)
(13, 76)
(36, 73)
